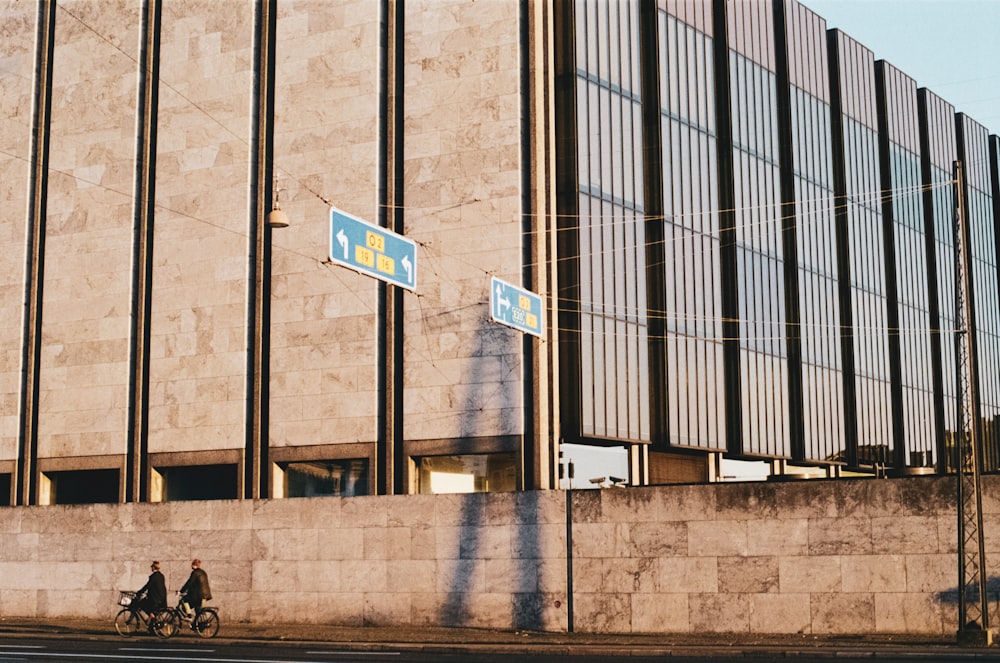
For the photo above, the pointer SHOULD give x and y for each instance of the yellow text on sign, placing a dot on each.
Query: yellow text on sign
(364, 257)
(524, 302)
(375, 241)
(386, 265)
(531, 320)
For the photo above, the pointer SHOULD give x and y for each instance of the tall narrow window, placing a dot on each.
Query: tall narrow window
(693, 311)
(610, 349)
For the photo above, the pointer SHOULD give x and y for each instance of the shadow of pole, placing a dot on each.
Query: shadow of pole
(528, 600)
(953, 595)
(499, 394)
(456, 611)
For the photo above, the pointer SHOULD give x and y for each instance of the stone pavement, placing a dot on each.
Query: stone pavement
(472, 640)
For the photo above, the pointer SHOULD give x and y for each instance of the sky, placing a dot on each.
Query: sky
(951, 47)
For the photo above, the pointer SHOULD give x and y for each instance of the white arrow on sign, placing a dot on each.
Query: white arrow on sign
(342, 239)
(501, 302)
(408, 266)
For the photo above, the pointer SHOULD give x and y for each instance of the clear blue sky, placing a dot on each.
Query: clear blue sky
(951, 47)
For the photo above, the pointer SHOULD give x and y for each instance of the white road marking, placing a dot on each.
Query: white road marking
(355, 653)
(22, 646)
(133, 657)
(167, 649)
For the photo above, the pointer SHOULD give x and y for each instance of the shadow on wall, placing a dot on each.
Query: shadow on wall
(529, 600)
(951, 596)
(480, 530)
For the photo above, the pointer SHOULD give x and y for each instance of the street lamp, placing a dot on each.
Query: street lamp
(277, 217)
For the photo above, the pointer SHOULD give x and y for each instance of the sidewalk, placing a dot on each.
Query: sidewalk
(471, 640)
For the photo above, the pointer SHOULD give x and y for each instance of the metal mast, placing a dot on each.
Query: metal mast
(973, 612)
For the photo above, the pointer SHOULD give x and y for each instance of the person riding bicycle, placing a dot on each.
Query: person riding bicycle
(153, 595)
(196, 590)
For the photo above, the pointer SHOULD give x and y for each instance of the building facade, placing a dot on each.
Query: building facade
(740, 222)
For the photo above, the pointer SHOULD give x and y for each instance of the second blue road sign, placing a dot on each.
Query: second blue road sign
(516, 307)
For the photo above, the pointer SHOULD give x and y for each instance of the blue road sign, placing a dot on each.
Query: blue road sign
(516, 307)
(372, 250)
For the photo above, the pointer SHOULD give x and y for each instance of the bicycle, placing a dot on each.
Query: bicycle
(129, 619)
(204, 621)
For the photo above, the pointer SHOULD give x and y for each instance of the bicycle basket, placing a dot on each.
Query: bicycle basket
(125, 598)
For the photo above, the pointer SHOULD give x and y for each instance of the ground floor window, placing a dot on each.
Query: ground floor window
(79, 487)
(590, 466)
(5, 490)
(473, 473)
(198, 482)
(345, 477)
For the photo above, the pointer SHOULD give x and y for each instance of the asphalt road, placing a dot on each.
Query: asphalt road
(33, 640)
(145, 649)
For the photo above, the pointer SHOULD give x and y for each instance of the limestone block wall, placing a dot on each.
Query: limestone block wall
(324, 380)
(855, 556)
(844, 556)
(463, 199)
(457, 171)
(15, 150)
(82, 371)
(198, 304)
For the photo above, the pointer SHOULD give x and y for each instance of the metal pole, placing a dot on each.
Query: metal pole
(973, 611)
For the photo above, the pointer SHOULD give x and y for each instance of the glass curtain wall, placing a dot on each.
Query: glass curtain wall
(909, 294)
(974, 153)
(758, 278)
(938, 149)
(862, 285)
(993, 453)
(613, 350)
(815, 234)
(693, 315)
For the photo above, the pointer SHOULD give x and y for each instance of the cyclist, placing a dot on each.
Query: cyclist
(153, 595)
(196, 590)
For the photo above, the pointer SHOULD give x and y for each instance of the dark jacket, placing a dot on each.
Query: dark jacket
(155, 591)
(196, 588)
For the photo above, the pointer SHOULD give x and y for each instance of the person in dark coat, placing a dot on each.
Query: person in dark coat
(153, 595)
(196, 590)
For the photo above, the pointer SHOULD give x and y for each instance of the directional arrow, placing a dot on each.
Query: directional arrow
(502, 302)
(342, 240)
(516, 307)
(408, 266)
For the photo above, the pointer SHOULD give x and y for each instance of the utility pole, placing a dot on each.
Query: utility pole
(973, 610)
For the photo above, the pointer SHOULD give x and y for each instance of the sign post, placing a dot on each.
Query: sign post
(372, 250)
(516, 307)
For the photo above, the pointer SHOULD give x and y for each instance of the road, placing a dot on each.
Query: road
(143, 649)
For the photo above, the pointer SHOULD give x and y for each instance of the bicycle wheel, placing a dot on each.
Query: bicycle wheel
(206, 624)
(166, 623)
(126, 622)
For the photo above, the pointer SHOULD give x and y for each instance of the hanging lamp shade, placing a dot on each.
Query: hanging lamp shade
(277, 218)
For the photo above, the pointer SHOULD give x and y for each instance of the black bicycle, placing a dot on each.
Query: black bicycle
(204, 621)
(130, 619)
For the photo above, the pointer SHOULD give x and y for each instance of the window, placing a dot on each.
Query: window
(474, 473)
(337, 478)
(197, 482)
(79, 487)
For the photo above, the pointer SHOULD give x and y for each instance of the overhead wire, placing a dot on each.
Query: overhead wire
(427, 244)
(617, 219)
(364, 300)
(578, 306)
(617, 311)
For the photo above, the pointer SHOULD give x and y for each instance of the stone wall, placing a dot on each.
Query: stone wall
(839, 556)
